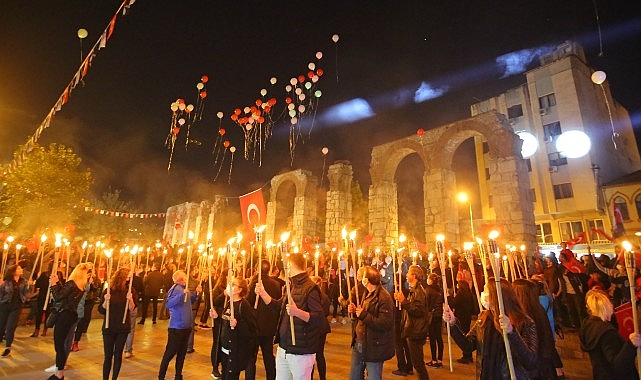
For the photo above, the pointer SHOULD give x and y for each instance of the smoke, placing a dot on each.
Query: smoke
(426, 92)
(516, 62)
(347, 112)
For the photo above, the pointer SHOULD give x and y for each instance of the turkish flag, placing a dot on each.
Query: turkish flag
(252, 208)
(624, 318)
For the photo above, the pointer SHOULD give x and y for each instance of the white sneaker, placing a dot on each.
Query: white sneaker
(51, 369)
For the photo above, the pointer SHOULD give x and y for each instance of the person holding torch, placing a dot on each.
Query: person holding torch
(297, 347)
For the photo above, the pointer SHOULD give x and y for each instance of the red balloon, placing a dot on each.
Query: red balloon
(222, 131)
(204, 79)
(203, 94)
(234, 117)
(310, 74)
(259, 102)
(288, 100)
(181, 101)
(420, 132)
(268, 109)
(272, 101)
(261, 120)
(175, 130)
(226, 143)
(301, 78)
(237, 111)
(253, 109)
(319, 72)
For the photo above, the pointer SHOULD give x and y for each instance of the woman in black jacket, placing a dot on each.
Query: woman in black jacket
(118, 300)
(435, 329)
(373, 336)
(463, 308)
(13, 293)
(413, 324)
(237, 334)
(321, 364)
(612, 357)
(66, 298)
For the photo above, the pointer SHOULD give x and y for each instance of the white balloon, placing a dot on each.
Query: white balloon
(190, 107)
(294, 120)
(181, 121)
(273, 80)
(301, 108)
(290, 106)
(293, 81)
(247, 109)
(311, 66)
(319, 54)
(298, 91)
(232, 149)
(325, 150)
(182, 106)
(250, 120)
(263, 92)
(82, 33)
(200, 86)
(598, 77)
(315, 78)
(288, 88)
(301, 97)
(220, 115)
(249, 127)
(335, 38)
(174, 107)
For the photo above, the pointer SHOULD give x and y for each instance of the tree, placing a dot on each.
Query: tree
(49, 190)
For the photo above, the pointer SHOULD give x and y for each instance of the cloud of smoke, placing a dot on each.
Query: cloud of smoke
(516, 62)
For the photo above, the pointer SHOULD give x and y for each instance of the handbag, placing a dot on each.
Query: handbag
(51, 319)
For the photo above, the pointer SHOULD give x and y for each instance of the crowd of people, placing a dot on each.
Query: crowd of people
(393, 308)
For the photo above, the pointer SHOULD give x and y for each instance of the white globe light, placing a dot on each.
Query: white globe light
(598, 77)
(573, 144)
(530, 144)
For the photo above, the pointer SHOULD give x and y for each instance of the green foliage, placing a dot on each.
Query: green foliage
(49, 190)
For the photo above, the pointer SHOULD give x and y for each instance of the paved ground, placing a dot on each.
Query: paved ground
(31, 355)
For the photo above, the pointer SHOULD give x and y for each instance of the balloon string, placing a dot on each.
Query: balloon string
(598, 25)
(323, 172)
(221, 165)
(171, 154)
(231, 166)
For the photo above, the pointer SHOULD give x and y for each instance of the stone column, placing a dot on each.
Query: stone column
(383, 213)
(339, 200)
(441, 209)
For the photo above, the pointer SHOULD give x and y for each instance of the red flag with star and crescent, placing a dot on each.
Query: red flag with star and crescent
(625, 319)
(252, 208)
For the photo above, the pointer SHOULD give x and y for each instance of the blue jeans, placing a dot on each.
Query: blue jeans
(357, 370)
(129, 343)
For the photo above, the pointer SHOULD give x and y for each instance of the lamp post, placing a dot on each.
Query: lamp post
(463, 198)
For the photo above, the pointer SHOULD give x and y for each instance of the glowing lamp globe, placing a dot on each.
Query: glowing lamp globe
(598, 77)
(573, 144)
(530, 144)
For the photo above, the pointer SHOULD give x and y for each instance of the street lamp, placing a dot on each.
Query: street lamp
(463, 198)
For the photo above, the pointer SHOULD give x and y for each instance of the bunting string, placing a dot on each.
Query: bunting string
(64, 97)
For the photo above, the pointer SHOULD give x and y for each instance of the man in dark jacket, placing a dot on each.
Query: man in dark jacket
(295, 359)
(414, 326)
(153, 281)
(373, 337)
(266, 323)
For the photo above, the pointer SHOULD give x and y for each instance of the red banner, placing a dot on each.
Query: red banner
(252, 208)
(624, 318)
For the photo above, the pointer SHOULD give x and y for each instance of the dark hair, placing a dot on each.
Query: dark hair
(298, 260)
(372, 275)
(10, 272)
(265, 266)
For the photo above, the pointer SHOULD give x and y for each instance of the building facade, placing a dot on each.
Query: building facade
(560, 96)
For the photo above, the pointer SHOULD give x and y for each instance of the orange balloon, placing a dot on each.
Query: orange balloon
(237, 111)
(226, 143)
(234, 117)
(310, 74)
(420, 132)
(319, 72)
(261, 120)
(175, 130)
(203, 94)
(204, 79)
(259, 102)
(222, 131)
(288, 100)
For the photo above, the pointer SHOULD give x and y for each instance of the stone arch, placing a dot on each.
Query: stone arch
(509, 179)
(304, 212)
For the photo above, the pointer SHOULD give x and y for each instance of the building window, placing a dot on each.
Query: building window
(570, 230)
(622, 205)
(515, 111)
(637, 202)
(563, 190)
(547, 101)
(533, 195)
(595, 224)
(557, 159)
(544, 233)
(552, 130)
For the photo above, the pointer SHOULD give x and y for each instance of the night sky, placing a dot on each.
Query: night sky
(119, 120)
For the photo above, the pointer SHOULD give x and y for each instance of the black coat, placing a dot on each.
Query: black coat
(414, 307)
(241, 340)
(612, 356)
(375, 326)
(266, 320)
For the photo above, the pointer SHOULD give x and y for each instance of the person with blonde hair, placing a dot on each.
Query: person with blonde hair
(611, 355)
(66, 299)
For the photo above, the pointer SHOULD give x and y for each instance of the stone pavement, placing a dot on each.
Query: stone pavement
(30, 356)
